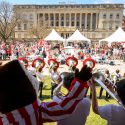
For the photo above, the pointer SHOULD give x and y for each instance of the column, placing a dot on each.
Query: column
(75, 20)
(59, 20)
(37, 19)
(69, 19)
(85, 20)
(91, 15)
(80, 20)
(53, 19)
(64, 19)
(96, 20)
(49, 19)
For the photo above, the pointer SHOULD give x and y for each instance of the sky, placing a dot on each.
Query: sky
(66, 1)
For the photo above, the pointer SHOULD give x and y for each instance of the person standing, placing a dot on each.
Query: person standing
(114, 114)
(54, 74)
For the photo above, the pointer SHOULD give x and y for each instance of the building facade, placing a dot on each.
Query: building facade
(95, 21)
(123, 23)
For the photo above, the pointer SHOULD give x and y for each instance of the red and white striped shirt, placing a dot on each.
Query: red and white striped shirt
(38, 113)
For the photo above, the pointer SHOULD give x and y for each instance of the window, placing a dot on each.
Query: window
(77, 24)
(72, 23)
(25, 26)
(104, 16)
(19, 26)
(117, 16)
(62, 18)
(111, 16)
(62, 23)
(116, 27)
(57, 23)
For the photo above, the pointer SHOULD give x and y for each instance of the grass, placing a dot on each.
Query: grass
(92, 119)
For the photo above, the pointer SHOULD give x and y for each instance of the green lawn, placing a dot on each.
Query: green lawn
(93, 119)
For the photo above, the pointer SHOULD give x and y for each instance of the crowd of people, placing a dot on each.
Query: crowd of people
(31, 50)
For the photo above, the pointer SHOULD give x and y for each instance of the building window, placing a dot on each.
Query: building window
(25, 26)
(62, 23)
(116, 27)
(62, 18)
(111, 16)
(104, 16)
(117, 16)
(72, 23)
(19, 26)
(57, 23)
(77, 23)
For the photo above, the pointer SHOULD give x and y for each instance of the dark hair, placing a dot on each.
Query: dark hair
(121, 90)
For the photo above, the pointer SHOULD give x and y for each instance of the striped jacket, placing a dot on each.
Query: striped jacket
(38, 113)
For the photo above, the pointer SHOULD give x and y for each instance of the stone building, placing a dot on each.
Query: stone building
(95, 21)
(123, 23)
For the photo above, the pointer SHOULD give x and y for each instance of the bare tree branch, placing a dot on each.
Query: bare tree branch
(41, 30)
(8, 20)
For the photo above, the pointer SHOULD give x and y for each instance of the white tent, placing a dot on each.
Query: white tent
(54, 36)
(77, 36)
(117, 36)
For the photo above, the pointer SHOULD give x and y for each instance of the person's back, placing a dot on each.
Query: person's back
(80, 114)
(114, 114)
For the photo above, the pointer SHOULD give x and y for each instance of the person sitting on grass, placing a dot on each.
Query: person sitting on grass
(114, 114)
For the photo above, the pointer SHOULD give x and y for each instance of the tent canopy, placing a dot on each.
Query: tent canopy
(77, 36)
(54, 36)
(117, 36)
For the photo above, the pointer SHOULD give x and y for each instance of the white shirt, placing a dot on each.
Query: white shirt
(114, 114)
(79, 115)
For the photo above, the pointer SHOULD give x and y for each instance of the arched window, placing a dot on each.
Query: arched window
(111, 16)
(104, 16)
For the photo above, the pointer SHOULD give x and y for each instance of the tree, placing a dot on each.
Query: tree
(8, 20)
(41, 30)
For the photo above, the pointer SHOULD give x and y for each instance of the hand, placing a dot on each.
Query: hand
(56, 92)
(84, 74)
(91, 83)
